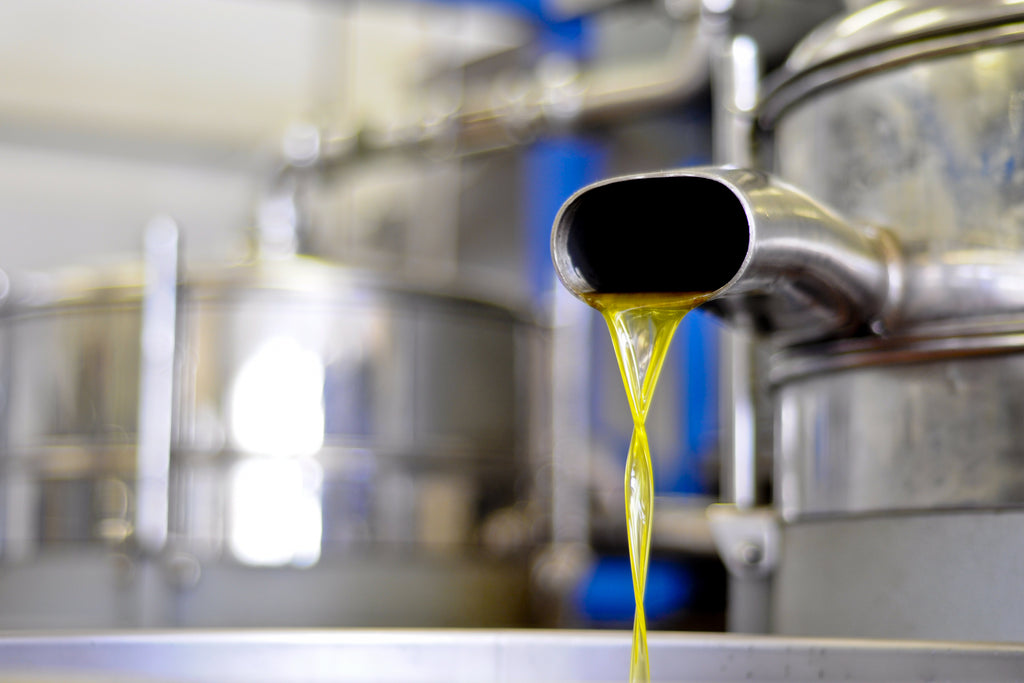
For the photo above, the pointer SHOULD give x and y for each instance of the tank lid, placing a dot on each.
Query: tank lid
(897, 22)
(886, 34)
(307, 278)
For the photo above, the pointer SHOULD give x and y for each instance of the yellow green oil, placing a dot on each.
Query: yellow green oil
(641, 326)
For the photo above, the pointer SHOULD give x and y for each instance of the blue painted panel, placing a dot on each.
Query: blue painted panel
(606, 593)
(556, 33)
(553, 169)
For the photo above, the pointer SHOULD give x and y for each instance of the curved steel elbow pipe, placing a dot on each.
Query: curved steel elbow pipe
(771, 256)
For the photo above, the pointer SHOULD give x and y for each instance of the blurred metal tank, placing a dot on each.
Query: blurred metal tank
(306, 445)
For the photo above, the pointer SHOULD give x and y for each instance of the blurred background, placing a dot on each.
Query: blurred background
(281, 342)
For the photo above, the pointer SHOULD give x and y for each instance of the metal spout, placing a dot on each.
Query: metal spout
(771, 256)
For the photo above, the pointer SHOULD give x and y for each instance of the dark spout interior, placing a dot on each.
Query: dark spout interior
(658, 234)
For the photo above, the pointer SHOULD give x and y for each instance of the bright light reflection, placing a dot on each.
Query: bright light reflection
(277, 401)
(746, 86)
(275, 512)
(992, 60)
(867, 16)
(916, 22)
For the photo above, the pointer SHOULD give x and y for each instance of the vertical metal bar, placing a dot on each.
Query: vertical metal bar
(736, 90)
(571, 428)
(736, 84)
(156, 384)
(553, 169)
(11, 517)
(739, 460)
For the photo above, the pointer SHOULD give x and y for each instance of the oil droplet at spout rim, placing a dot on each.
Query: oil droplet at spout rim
(641, 327)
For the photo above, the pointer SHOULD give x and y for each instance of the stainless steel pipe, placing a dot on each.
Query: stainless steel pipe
(767, 252)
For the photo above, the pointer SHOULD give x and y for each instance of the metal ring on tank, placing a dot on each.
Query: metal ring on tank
(794, 89)
(847, 354)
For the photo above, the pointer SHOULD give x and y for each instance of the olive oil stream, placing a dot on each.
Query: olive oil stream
(641, 327)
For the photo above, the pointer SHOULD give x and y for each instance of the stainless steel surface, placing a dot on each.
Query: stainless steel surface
(514, 109)
(571, 422)
(876, 25)
(558, 92)
(158, 361)
(766, 252)
(902, 437)
(907, 115)
(617, 94)
(863, 352)
(947, 575)
(90, 587)
(282, 222)
(319, 414)
(506, 656)
(926, 147)
(736, 88)
(736, 85)
(748, 541)
(897, 367)
(748, 596)
(738, 408)
(929, 151)
(888, 35)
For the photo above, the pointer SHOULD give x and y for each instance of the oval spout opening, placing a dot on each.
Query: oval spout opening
(656, 234)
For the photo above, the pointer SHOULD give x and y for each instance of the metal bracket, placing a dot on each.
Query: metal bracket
(748, 540)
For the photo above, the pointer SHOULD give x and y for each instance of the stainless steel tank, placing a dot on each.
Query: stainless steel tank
(881, 264)
(913, 122)
(339, 449)
(900, 462)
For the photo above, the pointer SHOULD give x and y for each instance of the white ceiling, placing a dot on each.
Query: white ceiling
(227, 75)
